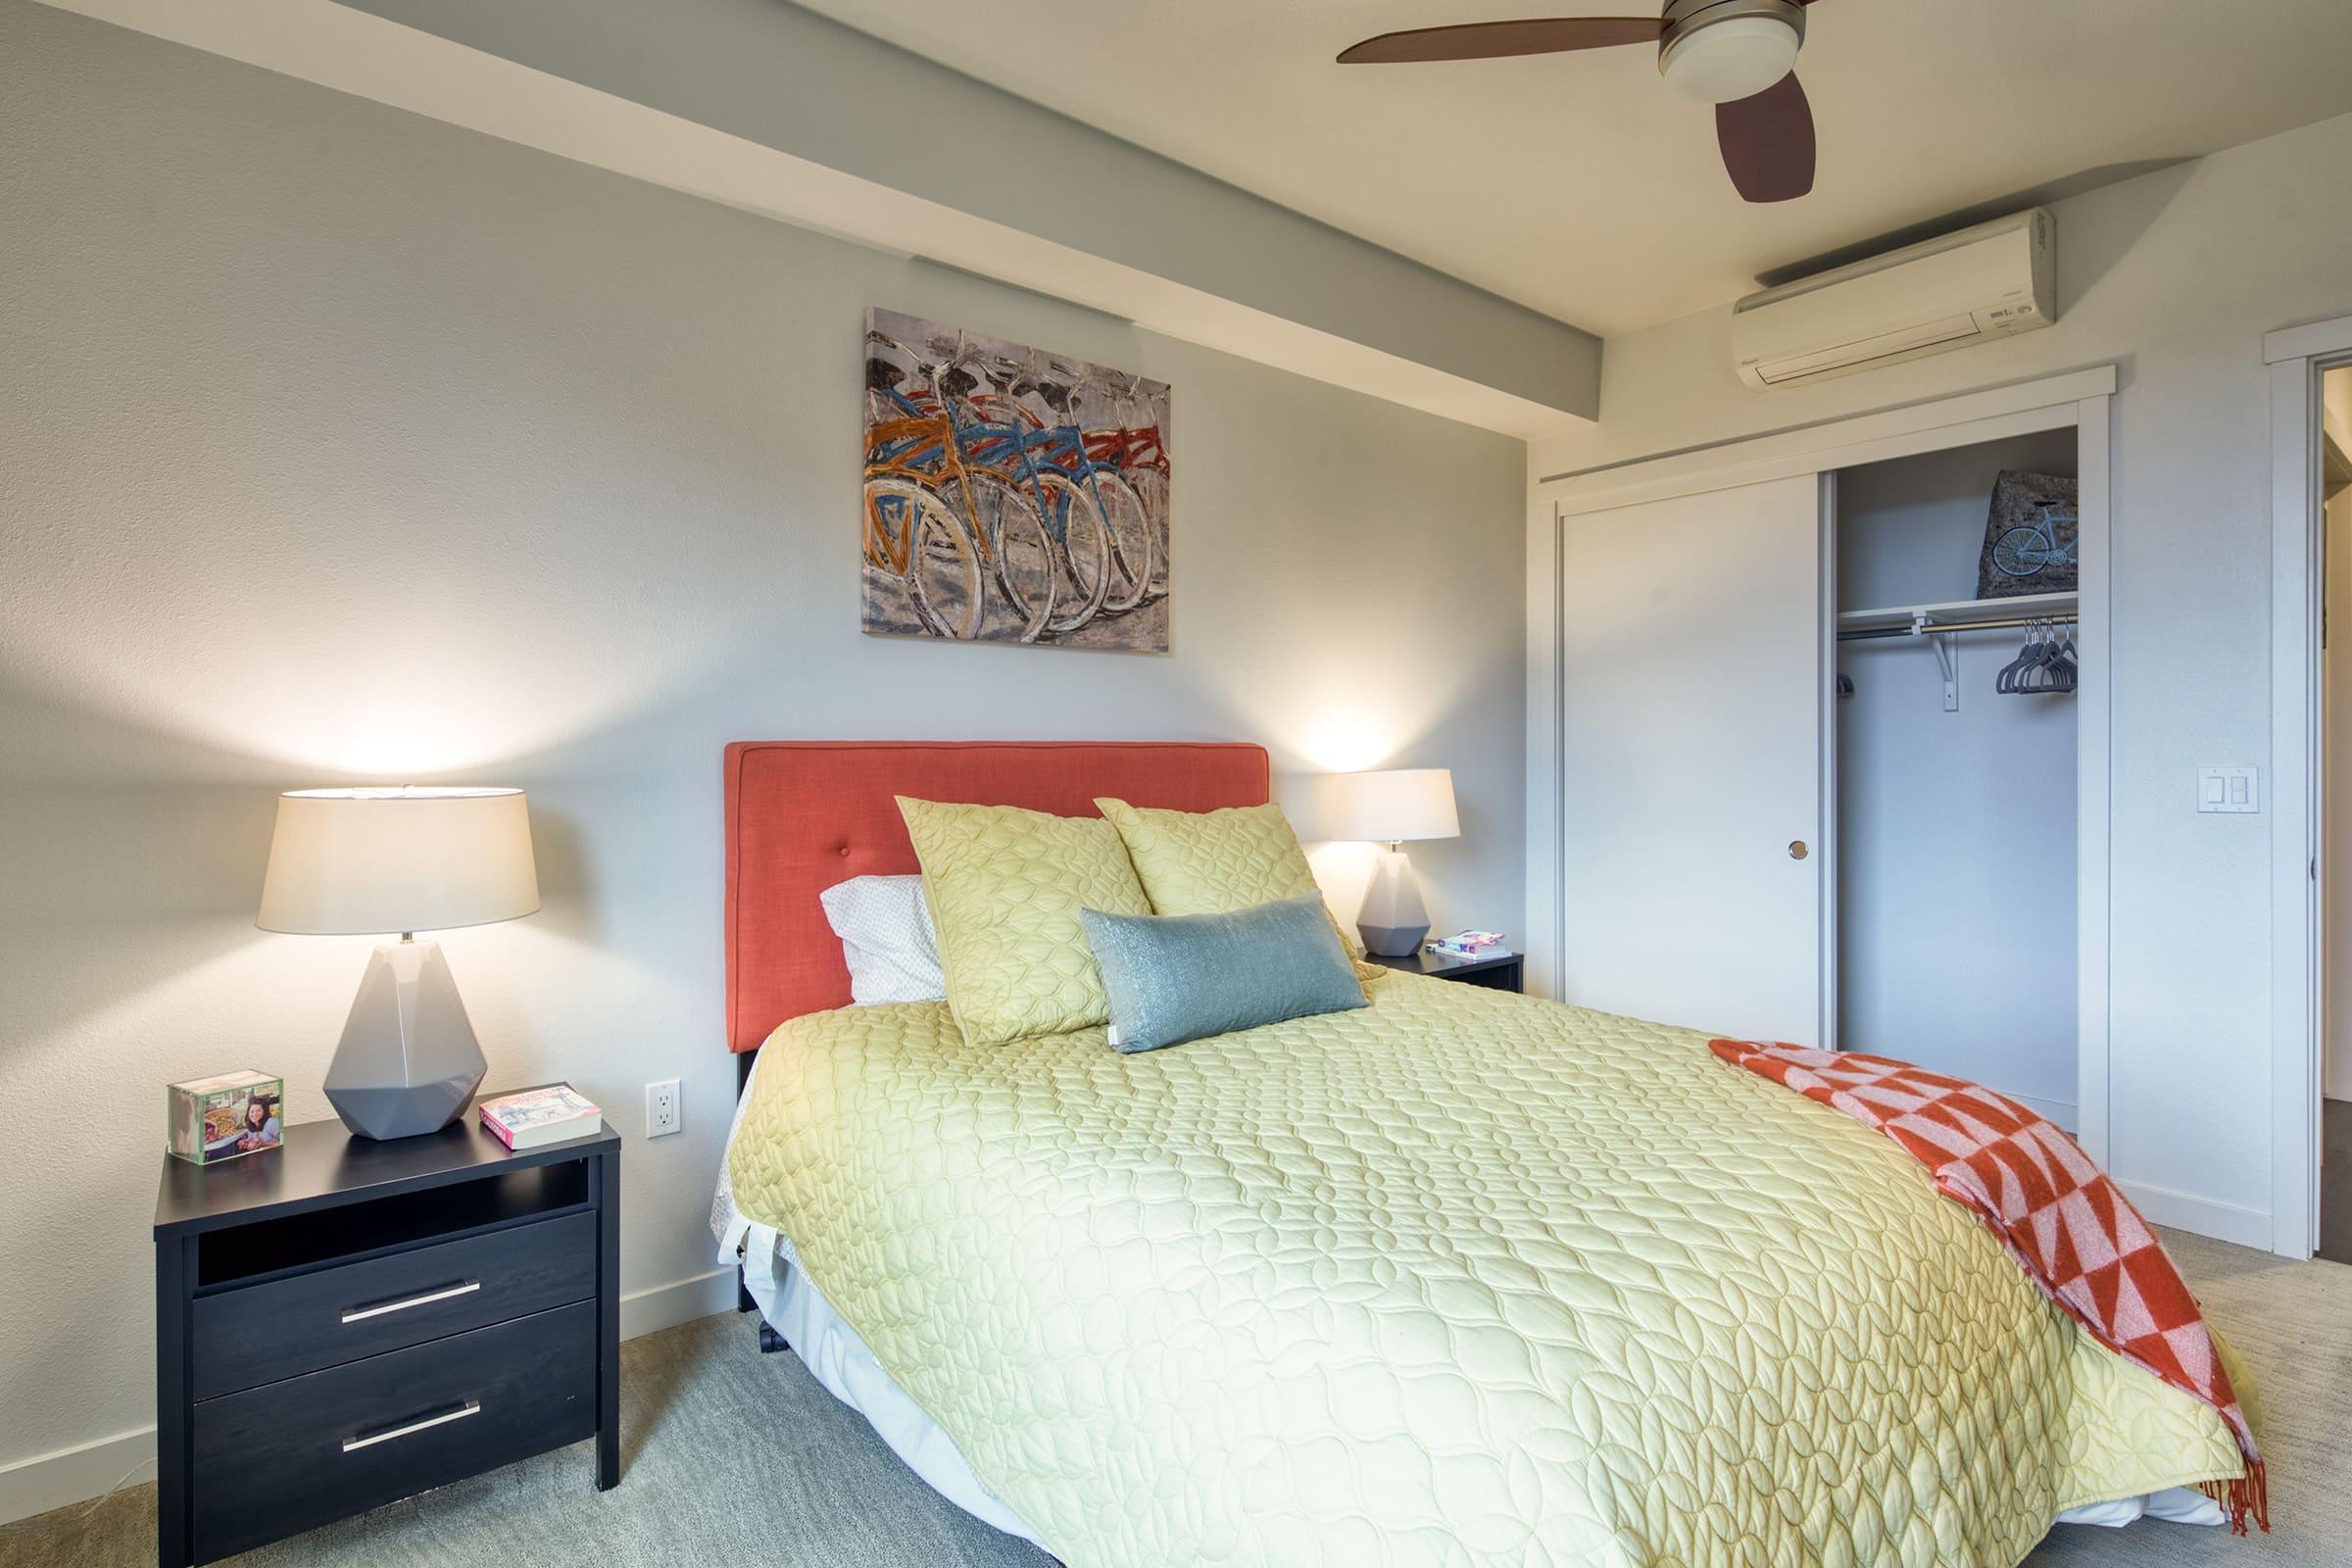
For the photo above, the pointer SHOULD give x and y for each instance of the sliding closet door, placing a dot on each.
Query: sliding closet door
(1691, 706)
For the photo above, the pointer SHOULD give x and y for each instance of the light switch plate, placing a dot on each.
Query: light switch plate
(2230, 791)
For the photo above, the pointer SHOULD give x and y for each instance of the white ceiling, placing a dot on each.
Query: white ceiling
(1584, 187)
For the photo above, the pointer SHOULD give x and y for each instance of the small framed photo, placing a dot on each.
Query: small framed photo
(213, 1119)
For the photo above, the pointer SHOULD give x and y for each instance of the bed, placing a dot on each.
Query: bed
(1461, 1276)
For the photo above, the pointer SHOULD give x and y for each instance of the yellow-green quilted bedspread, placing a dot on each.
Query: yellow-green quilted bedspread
(1461, 1277)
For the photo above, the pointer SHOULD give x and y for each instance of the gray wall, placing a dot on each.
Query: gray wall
(343, 445)
(783, 76)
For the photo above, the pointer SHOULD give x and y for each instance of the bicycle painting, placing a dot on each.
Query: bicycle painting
(1011, 494)
(2029, 537)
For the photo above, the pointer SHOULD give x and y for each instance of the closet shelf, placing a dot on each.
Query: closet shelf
(1960, 614)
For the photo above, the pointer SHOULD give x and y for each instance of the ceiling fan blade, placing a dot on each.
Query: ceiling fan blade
(1497, 40)
(1767, 141)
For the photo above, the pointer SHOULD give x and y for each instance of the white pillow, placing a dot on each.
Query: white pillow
(886, 936)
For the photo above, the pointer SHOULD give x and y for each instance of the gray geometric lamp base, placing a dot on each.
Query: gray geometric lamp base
(1394, 920)
(409, 1061)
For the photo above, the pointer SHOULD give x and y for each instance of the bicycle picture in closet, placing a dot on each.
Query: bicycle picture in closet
(1956, 865)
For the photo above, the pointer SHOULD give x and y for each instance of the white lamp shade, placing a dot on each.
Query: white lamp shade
(371, 861)
(1409, 803)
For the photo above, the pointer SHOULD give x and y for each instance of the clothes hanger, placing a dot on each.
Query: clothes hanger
(2045, 666)
(2029, 673)
(2062, 660)
(2056, 675)
(2006, 683)
(2029, 663)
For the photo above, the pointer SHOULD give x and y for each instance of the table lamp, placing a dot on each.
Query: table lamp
(1389, 808)
(376, 861)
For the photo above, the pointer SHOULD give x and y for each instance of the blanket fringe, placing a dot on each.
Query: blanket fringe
(2247, 1496)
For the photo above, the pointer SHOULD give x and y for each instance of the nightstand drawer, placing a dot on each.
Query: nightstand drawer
(280, 1458)
(257, 1334)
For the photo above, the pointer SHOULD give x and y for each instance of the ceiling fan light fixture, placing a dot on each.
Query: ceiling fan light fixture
(1727, 50)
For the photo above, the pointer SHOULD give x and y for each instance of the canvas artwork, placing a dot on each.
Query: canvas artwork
(2029, 537)
(1011, 494)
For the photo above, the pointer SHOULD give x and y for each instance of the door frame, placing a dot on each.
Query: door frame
(2078, 398)
(2297, 358)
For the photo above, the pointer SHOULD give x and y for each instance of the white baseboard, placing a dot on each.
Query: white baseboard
(2224, 1222)
(2058, 1113)
(75, 1475)
(664, 1307)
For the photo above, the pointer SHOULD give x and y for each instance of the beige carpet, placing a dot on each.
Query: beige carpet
(733, 1458)
(2293, 1321)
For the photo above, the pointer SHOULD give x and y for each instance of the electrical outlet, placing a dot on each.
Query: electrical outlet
(661, 1109)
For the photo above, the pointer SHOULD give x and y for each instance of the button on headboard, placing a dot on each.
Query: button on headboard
(804, 815)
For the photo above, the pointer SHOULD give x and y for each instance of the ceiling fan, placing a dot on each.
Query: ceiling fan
(1738, 55)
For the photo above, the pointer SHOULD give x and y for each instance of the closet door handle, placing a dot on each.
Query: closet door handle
(1797, 850)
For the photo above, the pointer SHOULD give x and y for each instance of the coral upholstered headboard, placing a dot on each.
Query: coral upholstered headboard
(804, 815)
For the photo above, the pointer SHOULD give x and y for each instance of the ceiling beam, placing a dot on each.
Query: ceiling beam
(769, 108)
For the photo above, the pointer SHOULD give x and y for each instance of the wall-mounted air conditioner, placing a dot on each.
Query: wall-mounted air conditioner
(1994, 280)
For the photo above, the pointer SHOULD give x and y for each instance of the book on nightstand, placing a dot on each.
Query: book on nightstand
(528, 1118)
(1468, 945)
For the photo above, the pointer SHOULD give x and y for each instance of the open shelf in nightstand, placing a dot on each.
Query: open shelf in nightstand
(244, 1254)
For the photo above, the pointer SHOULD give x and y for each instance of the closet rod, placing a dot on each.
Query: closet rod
(1936, 629)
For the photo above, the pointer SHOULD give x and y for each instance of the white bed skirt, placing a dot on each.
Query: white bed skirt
(838, 1358)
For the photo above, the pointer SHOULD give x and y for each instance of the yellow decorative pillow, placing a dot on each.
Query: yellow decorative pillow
(1004, 887)
(1213, 862)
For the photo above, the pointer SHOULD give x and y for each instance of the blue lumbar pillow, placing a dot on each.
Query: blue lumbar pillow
(1171, 978)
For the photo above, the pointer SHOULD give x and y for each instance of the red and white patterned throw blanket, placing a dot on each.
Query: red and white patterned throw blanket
(2072, 1231)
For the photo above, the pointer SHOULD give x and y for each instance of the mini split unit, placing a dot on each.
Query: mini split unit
(1991, 281)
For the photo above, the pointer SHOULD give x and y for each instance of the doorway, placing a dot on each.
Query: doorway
(2334, 799)
(2309, 863)
(1958, 869)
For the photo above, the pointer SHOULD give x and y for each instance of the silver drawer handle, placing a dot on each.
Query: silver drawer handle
(467, 1287)
(470, 1407)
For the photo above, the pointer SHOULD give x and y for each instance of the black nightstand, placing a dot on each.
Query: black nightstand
(340, 1323)
(1503, 972)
